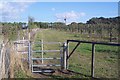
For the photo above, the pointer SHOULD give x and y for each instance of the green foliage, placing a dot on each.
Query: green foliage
(10, 30)
(20, 74)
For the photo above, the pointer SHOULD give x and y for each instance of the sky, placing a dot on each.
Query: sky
(56, 11)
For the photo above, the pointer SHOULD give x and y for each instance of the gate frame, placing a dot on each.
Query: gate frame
(42, 51)
(93, 52)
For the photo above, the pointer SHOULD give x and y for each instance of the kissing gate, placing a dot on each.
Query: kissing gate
(41, 60)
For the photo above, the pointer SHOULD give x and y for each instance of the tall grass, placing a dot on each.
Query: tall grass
(15, 62)
(18, 67)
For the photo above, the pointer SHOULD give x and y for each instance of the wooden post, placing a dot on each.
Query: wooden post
(93, 59)
(42, 50)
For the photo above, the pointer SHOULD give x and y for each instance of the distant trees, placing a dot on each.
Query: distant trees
(95, 27)
(106, 27)
(10, 30)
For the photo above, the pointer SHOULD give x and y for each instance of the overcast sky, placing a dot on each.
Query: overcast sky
(56, 11)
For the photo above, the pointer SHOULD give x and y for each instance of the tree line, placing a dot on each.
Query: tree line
(95, 27)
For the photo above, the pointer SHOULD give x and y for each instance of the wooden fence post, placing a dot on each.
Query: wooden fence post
(93, 59)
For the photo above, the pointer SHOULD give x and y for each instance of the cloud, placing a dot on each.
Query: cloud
(70, 16)
(12, 10)
(53, 9)
(82, 14)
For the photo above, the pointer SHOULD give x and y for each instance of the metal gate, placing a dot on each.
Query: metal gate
(40, 59)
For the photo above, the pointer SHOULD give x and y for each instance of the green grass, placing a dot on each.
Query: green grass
(80, 61)
(105, 60)
(20, 74)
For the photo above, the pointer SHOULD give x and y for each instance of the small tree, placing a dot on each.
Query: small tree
(30, 24)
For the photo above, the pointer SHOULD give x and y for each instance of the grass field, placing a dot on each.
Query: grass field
(106, 59)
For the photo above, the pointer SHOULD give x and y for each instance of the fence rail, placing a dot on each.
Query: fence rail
(100, 43)
(42, 65)
(46, 42)
(44, 58)
(45, 51)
